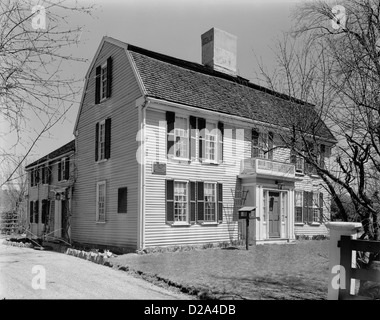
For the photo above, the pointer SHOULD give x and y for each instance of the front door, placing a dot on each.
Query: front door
(274, 214)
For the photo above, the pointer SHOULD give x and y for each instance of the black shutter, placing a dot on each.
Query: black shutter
(122, 200)
(67, 168)
(254, 143)
(169, 201)
(109, 77)
(305, 210)
(97, 85)
(220, 201)
(193, 137)
(322, 156)
(270, 145)
(310, 208)
(36, 220)
(43, 212)
(96, 141)
(202, 137)
(200, 202)
(107, 152)
(50, 168)
(192, 202)
(31, 211)
(321, 207)
(37, 176)
(170, 119)
(221, 138)
(43, 175)
(59, 171)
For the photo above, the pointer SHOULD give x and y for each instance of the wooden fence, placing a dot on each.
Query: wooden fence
(347, 245)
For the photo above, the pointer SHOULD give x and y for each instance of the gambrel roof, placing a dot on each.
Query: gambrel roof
(192, 84)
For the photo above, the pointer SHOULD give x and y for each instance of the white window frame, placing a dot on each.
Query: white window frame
(102, 141)
(103, 82)
(213, 133)
(316, 207)
(295, 207)
(98, 185)
(302, 169)
(187, 195)
(183, 139)
(214, 185)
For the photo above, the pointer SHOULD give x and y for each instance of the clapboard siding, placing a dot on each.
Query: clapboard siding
(121, 170)
(157, 232)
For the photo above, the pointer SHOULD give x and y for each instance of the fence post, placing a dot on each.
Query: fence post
(337, 229)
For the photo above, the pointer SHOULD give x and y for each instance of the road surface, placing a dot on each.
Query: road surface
(22, 273)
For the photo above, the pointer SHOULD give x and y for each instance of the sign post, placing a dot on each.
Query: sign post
(246, 213)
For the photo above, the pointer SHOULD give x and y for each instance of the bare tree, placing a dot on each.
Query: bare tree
(35, 43)
(331, 62)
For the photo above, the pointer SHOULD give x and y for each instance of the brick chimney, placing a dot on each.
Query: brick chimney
(219, 51)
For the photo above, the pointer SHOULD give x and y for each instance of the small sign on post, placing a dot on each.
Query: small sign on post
(246, 213)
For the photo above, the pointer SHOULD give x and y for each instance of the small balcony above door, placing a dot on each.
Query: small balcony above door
(267, 169)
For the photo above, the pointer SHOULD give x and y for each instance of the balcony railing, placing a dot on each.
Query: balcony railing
(265, 167)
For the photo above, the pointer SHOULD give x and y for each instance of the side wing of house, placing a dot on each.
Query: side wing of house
(106, 189)
(50, 184)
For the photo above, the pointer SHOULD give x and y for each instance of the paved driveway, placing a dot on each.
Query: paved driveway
(66, 277)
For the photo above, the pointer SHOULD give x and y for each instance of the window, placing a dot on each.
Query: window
(211, 135)
(103, 140)
(181, 137)
(262, 145)
(34, 177)
(122, 200)
(31, 211)
(316, 208)
(299, 164)
(101, 201)
(103, 81)
(210, 202)
(188, 202)
(180, 201)
(193, 138)
(298, 206)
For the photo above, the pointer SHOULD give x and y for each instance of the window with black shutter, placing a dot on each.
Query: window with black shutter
(169, 190)
(193, 138)
(170, 119)
(200, 201)
(109, 77)
(36, 211)
(67, 168)
(254, 143)
(220, 141)
(193, 203)
(59, 171)
(202, 138)
(31, 211)
(97, 141)
(97, 85)
(220, 202)
(107, 151)
(122, 200)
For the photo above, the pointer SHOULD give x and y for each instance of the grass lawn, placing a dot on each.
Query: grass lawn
(285, 271)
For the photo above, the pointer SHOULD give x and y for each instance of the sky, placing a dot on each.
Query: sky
(172, 27)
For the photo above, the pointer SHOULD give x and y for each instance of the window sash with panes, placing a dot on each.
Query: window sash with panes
(102, 140)
(210, 202)
(261, 145)
(316, 208)
(101, 202)
(103, 82)
(180, 201)
(211, 136)
(298, 206)
(181, 136)
(299, 164)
